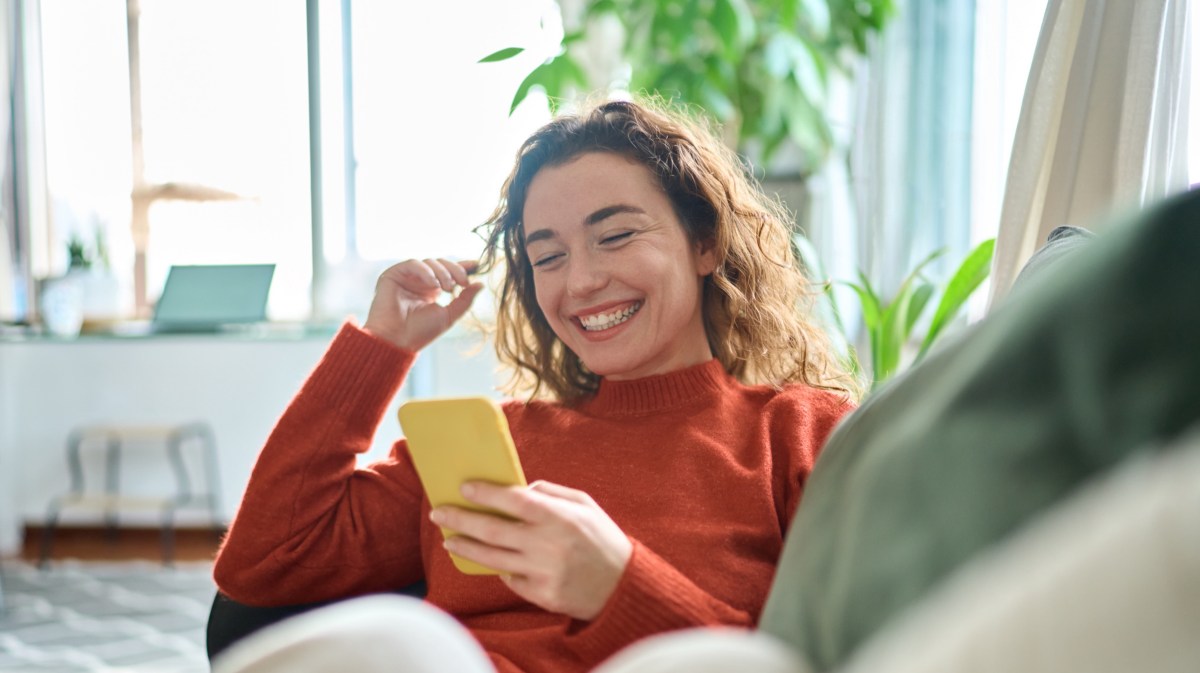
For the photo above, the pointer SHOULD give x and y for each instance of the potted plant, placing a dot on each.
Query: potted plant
(88, 268)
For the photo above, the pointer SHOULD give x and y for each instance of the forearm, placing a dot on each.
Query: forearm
(308, 514)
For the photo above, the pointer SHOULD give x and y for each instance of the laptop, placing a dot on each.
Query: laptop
(212, 298)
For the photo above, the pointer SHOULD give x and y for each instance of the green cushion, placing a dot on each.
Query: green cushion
(1099, 359)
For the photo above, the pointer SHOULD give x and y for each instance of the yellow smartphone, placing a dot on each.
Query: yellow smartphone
(453, 440)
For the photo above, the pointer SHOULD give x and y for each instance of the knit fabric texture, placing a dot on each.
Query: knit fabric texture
(701, 472)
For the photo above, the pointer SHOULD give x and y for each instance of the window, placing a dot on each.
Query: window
(416, 136)
(429, 128)
(224, 116)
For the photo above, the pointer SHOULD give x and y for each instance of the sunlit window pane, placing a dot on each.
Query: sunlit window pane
(224, 100)
(224, 112)
(433, 139)
(85, 71)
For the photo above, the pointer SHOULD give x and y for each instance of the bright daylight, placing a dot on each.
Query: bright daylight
(612, 336)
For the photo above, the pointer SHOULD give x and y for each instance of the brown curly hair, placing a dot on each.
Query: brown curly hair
(755, 302)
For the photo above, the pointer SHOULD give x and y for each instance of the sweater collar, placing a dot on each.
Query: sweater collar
(659, 392)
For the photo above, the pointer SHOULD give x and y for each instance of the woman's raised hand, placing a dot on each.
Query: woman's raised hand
(405, 309)
(560, 551)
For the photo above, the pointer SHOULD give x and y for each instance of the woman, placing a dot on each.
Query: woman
(650, 302)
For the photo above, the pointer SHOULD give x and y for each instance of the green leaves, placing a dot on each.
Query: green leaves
(554, 77)
(969, 276)
(735, 27)
(758, 66)
(890, 323)
(502, 55)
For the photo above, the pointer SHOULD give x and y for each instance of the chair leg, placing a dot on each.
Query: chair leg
(47, 543)
(168, 536)
(3, 605)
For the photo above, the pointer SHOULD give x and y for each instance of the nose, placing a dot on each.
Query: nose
(585, 276)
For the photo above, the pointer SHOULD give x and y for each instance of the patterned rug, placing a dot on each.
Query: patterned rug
(105, 617)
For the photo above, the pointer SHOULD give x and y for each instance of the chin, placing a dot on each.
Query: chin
(622, 370)
(608, 367)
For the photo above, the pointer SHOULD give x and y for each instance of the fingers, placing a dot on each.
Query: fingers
(460, 304)
(449, 274)
(487, 528)
(412, 273)
(503, 560)
(444, 277)
(559, 491)
(520, 503)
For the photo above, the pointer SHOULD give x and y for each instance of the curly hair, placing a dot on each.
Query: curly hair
(756, 302)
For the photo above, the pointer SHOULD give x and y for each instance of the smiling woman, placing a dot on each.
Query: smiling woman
(635, 179)
(616, 276)
(679, 399)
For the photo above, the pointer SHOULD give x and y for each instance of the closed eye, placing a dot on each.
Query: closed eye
(616, 238)
(546, 261)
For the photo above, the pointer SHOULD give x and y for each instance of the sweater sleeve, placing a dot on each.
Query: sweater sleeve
(652, 597)
(802, 430)
(311, 525)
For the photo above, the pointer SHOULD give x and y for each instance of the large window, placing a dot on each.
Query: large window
(416, 136)
(428, 128)
(223, 155)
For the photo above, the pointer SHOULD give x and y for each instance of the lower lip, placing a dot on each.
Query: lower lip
(605, 335)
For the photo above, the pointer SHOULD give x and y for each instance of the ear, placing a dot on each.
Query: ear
(706, 258)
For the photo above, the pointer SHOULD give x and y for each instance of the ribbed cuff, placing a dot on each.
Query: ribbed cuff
(652, 597)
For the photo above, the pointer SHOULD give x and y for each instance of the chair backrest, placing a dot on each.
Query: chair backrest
(230, 621)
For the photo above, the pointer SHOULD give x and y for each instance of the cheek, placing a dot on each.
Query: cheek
(547, 299)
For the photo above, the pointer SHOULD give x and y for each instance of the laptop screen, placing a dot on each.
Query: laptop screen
(206, 297)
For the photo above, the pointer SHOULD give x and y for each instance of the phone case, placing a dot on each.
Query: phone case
(454, 440)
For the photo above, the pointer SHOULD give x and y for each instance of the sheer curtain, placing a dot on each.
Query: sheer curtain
(8, 297)
(1103, 124)
(911, 156)
(898, 185)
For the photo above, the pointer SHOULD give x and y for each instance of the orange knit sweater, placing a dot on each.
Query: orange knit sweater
(701, 472)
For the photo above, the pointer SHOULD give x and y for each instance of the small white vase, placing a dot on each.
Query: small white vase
(62, 306)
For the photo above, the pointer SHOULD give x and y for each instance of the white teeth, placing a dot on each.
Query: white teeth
(603, 321)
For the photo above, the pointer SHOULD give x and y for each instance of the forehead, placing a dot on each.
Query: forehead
(569, 192)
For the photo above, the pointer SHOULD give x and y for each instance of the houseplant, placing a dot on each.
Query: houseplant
(762, 68)
(891, 323)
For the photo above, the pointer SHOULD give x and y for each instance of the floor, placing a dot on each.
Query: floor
(107, 603)
(126, 544)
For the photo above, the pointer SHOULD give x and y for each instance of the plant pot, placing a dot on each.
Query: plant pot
(61, 306)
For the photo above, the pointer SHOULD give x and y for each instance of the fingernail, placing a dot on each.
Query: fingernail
(437, 517)
(467, 489)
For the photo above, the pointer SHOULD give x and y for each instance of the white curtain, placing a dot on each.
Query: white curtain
(1103, 125)
(8, 308)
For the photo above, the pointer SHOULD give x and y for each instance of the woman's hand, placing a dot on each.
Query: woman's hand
(405, 309)
(561, 551)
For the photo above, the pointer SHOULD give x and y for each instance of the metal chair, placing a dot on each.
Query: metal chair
(175, 439)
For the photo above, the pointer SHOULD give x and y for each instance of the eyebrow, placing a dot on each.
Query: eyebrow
(595, 218)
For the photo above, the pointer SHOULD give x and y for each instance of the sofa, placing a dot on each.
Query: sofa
(1090, 368)
(940, 501)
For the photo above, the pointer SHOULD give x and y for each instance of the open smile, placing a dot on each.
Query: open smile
(598, 322)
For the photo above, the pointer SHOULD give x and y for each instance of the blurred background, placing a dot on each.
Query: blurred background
(332, 138)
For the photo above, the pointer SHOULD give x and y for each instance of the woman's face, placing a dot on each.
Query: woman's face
(615, 274)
